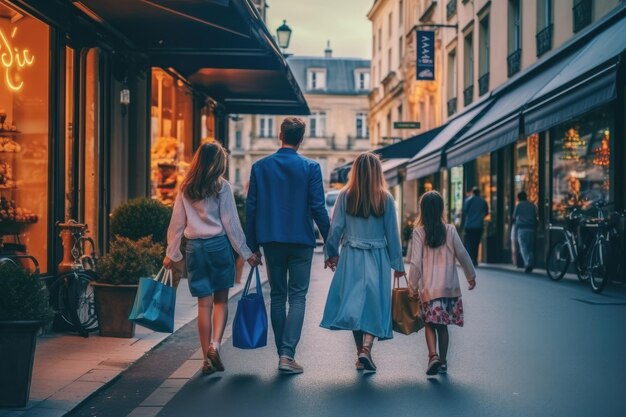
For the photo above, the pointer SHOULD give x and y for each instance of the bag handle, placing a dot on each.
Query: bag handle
(164, 276)
(249, 281)
(396, 281)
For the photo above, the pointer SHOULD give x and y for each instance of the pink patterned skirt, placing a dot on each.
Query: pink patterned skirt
(443, 311)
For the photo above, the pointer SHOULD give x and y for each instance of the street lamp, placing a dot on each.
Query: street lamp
(283, 35)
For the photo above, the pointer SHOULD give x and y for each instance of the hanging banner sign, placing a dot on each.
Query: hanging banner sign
(425, 55)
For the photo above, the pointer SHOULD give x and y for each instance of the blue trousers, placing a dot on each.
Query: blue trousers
(526, 242)
(289, 270)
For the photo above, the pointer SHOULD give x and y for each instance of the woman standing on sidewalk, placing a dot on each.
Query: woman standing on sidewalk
(436, 247)
(364, 221)
(206, 214)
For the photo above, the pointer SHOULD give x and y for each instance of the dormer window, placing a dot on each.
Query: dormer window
(316, 79)
(362, 80)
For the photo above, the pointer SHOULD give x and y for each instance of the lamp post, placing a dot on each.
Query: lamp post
(283, 36)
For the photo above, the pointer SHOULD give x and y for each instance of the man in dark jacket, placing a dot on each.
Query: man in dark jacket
(475, 209)
(525, 220)
(285, 196)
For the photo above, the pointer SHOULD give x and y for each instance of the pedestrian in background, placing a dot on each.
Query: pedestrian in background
(475, 209)
(206, 215)
(433, 277)
(364, 224)
(525, 222)
(285, 196)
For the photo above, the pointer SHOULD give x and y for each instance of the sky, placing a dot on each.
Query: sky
(313, 22)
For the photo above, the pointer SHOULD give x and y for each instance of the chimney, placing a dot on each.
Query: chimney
(328, 53)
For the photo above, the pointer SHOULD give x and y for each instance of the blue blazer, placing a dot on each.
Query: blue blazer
(285, 196)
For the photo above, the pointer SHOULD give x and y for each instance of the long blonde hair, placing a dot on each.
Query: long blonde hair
(207, 168)
(366, 191)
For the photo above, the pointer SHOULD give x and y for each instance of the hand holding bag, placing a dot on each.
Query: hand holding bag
(405, 311)
(155, 303)
(250, 324)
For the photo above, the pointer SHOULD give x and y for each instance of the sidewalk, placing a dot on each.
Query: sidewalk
(68, 368)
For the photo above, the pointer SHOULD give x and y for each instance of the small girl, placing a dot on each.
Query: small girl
(433, 276)
(206, 214)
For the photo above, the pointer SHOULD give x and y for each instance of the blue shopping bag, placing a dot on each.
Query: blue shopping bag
(250, 324)
(155, 303)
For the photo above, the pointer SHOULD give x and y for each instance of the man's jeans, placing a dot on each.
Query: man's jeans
(526, 242)
(287, 259)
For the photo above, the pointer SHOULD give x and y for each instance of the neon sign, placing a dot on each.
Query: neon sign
(11, 59)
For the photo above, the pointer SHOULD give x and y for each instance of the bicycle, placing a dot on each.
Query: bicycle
(604, 257)
(71, 293)
(570, 249)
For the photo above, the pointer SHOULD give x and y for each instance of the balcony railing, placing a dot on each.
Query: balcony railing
(514, 62)
(483, 84)
(451, 9)
(451, 106)
(544, 40)
(468, 95)
(582, 14)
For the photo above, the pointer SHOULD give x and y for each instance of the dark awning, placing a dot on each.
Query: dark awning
(428, 160)
(221, 46)
(576, 78)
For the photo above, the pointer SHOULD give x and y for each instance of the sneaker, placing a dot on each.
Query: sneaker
(208, 368)
(365, 357)
(433, 365)
(214, 357)
(289, 366)
(443, 369)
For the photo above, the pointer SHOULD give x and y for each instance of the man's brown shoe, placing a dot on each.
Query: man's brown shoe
(214, 357)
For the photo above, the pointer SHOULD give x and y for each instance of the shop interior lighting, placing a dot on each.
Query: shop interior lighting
(602, 153)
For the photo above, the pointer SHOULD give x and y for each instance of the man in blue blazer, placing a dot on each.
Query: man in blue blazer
(285, 196)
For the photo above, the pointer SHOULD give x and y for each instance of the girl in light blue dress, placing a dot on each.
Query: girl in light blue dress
(364, 225)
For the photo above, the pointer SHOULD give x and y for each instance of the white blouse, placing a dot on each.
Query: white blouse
(204, 219)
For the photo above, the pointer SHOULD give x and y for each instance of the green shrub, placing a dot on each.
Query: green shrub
(23, 296)
(128, 260)
(141, 217)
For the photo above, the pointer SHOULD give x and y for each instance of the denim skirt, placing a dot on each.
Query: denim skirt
(210, 265)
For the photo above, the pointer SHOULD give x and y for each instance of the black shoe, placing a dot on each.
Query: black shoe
(528, 269)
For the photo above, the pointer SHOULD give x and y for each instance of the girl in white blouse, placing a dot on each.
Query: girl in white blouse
(206, 214)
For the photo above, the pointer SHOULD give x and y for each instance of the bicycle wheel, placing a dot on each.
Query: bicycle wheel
(597, 265)
(72, 297)
(558, 260)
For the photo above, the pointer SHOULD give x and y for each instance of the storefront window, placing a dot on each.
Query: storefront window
(456, 195)
(527, 167)
(172, 134)
(92, 156)
(581, 159)
(483, 164)
(24, 136)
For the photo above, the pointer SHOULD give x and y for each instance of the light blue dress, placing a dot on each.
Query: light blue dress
(360, 293)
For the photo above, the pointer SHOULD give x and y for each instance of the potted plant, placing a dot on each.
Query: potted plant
(24, 309)
(141, 217)
(118, 278)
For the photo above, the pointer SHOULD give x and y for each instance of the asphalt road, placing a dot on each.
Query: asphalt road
(530, 347)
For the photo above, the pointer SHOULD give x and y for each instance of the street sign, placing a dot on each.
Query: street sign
(425, 55)
(406, 125)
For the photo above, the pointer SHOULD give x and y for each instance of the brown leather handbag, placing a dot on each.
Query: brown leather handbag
(406, 312)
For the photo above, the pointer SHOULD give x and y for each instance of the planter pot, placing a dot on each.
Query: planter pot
(18, 340)
(113, 305)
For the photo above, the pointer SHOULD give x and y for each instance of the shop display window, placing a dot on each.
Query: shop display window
(527, 167)
(24, 120)
(483, 165)
(581, 162)
(457, 196)
(171, 134)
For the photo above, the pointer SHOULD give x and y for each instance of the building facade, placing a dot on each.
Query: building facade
(532, 99)
(395, 95)
(336, 90)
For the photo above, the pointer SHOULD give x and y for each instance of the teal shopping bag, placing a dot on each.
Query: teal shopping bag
(250, 324)
(155, 303)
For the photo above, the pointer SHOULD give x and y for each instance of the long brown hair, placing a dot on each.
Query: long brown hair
(207, 168)
(431, 217)
(366, 191)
